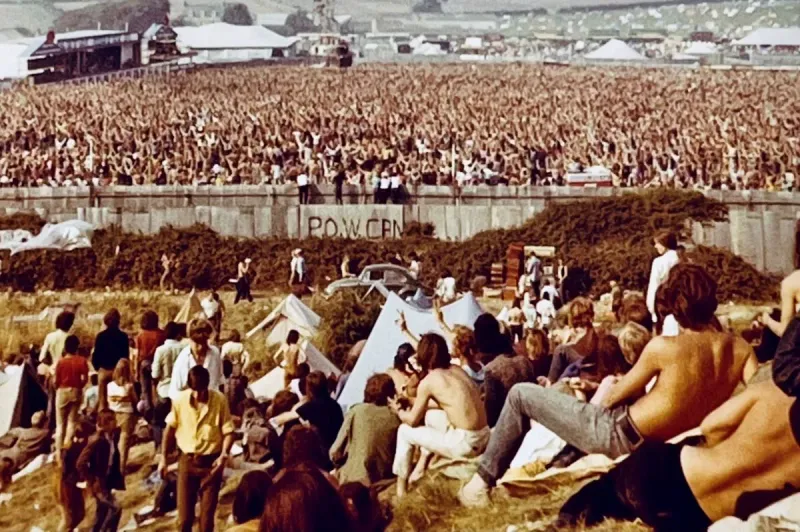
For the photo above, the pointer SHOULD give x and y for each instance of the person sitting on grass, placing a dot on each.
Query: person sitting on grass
(697, 371)
(459, 430)
(748, 459)
(365, 447)
(249, 501)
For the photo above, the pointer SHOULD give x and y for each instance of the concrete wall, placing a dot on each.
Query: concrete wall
(761, 227)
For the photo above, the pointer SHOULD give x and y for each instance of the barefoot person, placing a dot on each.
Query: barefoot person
(750, 459)
(461, 429)
(696, 372)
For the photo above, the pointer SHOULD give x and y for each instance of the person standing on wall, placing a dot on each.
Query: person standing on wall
(243, 282)
(338, 180)
(302, 187)
(198, 411)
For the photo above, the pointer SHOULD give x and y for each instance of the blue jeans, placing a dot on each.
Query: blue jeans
(591, 428)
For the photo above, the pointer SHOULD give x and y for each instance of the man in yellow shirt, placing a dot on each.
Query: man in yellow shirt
(200, 422)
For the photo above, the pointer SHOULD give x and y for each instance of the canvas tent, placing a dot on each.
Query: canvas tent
(20, 397)
(386, 337)
(65, 236)
(190, 309)
(789, 37)
(270, 384)
(615, 50)
(699, 48)
(290, 314)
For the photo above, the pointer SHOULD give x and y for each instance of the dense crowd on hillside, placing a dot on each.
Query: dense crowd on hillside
(530, 390)
(392, 125)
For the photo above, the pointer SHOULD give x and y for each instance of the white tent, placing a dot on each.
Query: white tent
(290, 314)
(227, 42)
(270, 384)
(771, 37)
(386, 337)
(615, 50)
(20, 397)
(701, 48)
(65, 236)
(190, 309)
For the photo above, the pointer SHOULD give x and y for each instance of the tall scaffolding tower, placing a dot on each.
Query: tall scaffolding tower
(324, 16)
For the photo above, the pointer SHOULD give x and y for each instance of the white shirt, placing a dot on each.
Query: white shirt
(546, 310)
(385, 183)
(210, 307)
(549, 289)
(167, 355)
(299, 267)
(414, 269)
(395, 181)
(186, 361)
(658, 274)
(302, 180)
(446, 289)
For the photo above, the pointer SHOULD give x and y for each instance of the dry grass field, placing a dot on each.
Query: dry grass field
(431, 505)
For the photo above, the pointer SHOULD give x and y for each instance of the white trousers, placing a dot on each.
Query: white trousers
(437, 437)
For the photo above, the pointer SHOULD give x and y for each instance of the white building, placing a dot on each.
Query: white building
(221, 42)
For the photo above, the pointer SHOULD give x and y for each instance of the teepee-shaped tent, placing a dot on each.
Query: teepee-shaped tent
(615, 50)
(386, 337)
(20, 397)
(270, 384)
(290, 314)
(190, 309)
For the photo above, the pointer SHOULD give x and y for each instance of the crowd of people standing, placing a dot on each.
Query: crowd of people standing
(390, 126)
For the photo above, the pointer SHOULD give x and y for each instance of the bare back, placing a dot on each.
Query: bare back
(697, 372)
(458, 396)
(761, 454)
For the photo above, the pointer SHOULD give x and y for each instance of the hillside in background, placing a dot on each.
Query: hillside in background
(138, 14)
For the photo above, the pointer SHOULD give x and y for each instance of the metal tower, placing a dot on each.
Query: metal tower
(324, 15)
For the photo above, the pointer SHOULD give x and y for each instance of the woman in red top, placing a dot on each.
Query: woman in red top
(147, 341)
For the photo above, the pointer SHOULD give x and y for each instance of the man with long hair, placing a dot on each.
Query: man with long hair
(460, 427)
(696, 372)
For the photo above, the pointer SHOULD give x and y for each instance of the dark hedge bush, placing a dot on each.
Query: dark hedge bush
(609, 238)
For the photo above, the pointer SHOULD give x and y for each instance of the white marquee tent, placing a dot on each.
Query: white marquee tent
(270, 384)
(226, 42)
(615, 50)
(771, 37)
(290, 314)
(699, 48)
(386, 337)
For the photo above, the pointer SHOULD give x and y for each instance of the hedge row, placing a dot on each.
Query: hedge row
(608, 238)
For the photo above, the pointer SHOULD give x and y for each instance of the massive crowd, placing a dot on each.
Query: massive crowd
(386, 125)
(665, 367)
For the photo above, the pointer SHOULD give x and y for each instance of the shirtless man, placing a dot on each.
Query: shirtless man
(751, 459)
(696, 372)
(464, 432)
(790, 297)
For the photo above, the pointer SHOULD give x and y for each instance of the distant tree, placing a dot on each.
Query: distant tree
(237, 14)
(300, 22)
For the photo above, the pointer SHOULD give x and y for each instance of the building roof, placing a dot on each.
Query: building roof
(615, 50)
(274, 20)
(220, 36)
(771, 37)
